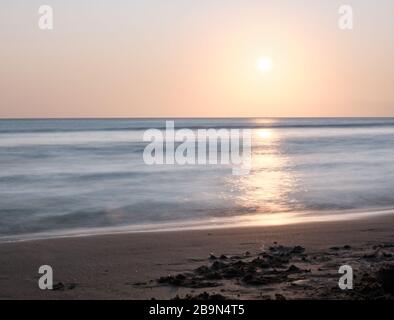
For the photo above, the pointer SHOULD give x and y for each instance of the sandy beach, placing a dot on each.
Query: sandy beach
(276, 262)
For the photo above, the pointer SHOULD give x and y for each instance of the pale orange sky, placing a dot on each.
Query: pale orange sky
(184, 58)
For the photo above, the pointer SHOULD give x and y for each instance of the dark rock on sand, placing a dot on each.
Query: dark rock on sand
(202, 296)
(58, 286)
(312, 275)
(293, 269)
(61, 286)
(181, 280)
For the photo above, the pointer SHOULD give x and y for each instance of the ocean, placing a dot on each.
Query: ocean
(86, 176)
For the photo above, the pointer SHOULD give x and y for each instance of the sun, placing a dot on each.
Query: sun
(265, 64)
(264, 133)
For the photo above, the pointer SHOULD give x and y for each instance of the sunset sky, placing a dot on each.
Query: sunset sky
(188, 58)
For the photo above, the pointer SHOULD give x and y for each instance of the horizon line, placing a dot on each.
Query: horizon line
(197, 118)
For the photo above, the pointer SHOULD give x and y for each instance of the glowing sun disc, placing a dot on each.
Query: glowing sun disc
(265, 64)
(264, 133)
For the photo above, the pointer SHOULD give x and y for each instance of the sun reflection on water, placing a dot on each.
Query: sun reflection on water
(268, 187)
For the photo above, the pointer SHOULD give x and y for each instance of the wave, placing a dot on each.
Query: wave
(202, 224)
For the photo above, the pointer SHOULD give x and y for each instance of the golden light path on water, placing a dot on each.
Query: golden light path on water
(269, 190)
(266, 191)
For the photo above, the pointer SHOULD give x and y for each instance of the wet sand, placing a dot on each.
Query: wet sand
(276, 262)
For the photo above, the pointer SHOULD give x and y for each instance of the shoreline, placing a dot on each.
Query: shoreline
(233, 222)
(138, 265)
